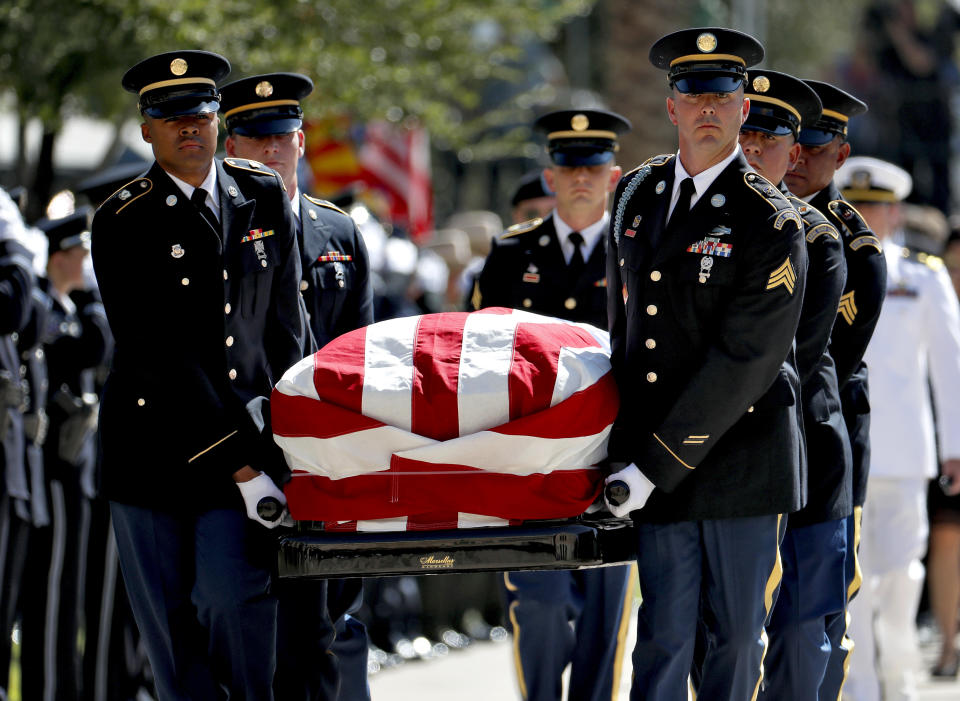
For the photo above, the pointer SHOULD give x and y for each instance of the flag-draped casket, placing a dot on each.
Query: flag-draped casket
(447, 420)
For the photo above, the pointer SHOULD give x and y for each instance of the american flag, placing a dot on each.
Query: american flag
(447, 420)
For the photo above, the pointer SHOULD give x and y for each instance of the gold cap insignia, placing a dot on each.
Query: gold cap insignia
(579, 122)
(761, 84)
(706, 42)
(860, 180)
(178, 66)
(264, 89)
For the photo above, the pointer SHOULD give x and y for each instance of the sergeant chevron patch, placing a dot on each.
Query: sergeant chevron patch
(848, 308)
(783, 275)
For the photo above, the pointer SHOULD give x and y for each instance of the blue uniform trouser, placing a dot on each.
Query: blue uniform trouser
(813, 592)
(842, 646)
(541, 607)
(720, 574)
(199, 587)
(321, 649)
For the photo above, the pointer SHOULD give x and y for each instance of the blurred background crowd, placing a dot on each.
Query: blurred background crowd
(419, 128)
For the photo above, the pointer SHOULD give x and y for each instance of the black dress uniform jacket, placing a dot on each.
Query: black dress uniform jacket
(336, 271)
(859, 311)
(204, 322)
(829, 473)
(525, 269)
(701, 331)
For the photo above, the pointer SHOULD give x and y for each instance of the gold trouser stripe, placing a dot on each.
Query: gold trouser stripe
(847, 643)
(677, 457)
(207, 450)
(516, 645)
(691, 692)
(773, 581)
(622, 632)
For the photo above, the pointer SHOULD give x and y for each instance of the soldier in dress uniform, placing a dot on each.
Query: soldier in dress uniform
(557, 266)
(16, 519)
(813, 551)
(915, 346)
(823, 149)
(705, 280)
(531, 198)
(199, 272)
(322, 648)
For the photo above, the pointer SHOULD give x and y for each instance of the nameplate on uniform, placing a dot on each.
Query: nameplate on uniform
(256, 234)
(531, 277)
(334, 257)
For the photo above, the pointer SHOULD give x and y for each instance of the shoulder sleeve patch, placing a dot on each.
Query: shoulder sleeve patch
(866, 240)
(821, 229)
(325, 203)
(773, 197)
(128, 194)
(522, 228)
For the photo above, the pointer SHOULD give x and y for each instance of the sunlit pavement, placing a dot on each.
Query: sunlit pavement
(484, 671)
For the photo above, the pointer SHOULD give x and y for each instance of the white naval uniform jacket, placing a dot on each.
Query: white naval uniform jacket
(917, 337)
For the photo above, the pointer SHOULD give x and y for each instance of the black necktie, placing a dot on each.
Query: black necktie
(576, 265)
(682, 208)
(199, 199)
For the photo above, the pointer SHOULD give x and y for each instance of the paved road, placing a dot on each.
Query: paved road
(484, 671)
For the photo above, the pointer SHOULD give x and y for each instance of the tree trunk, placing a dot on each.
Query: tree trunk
(43, 179)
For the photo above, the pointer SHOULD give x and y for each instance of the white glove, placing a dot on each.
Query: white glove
(640, 490)
(262, 487)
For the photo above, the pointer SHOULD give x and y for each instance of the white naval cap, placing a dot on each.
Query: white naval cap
(867, 179)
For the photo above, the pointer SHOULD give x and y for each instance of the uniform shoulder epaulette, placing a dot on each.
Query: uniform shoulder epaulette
(521, 228)
(776, 199)
(325, 203)
(127, 195)
(853, 226)
(248, 165)
(817, 224)
(660, 160)
(931, 261)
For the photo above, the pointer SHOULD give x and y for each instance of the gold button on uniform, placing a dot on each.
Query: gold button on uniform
(141, 401)
(229, 341)
(227, 308)
(570, 303)
(224, 274)
(650, 343)
(750, 410)
(652, 309)
(655, 275)
(185, 281)
(304, 285)
(232, 374)
(651, 377)
(528, 303)
(622, 262)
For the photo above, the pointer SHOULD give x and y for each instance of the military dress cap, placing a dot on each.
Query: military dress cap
(177, 83)
(838, 108)
(582, 137)
(867, 179)
(69, 231)
(707, 59)
(779, 103)
(264, 104)
(530, 187)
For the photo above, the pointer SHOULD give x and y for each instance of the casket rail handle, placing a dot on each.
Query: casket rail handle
(617, 492)
(269, 509)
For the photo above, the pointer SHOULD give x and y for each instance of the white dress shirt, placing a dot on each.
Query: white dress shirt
(592, 235)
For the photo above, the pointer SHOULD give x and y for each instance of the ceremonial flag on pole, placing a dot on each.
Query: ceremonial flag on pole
(447, 420)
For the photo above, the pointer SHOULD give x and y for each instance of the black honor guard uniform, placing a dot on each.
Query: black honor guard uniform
(812, 591)
(321, 648)
(527, 267)
(704, 302)
(200, 284)
(548, 267)
(857, 316)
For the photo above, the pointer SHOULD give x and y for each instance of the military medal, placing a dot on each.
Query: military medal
(261, 253)
(338, 273)
(706, 263)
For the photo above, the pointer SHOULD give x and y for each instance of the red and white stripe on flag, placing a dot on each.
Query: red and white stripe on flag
(447, 420)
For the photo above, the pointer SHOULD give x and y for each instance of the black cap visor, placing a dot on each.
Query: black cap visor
(267, 121)
(160, 104)
(583, 155)
(816, 136)
(705, 82)
(769, 122)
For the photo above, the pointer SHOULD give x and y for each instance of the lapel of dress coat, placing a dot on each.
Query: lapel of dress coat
(709, 211)
(181, 208)
(236, 212)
